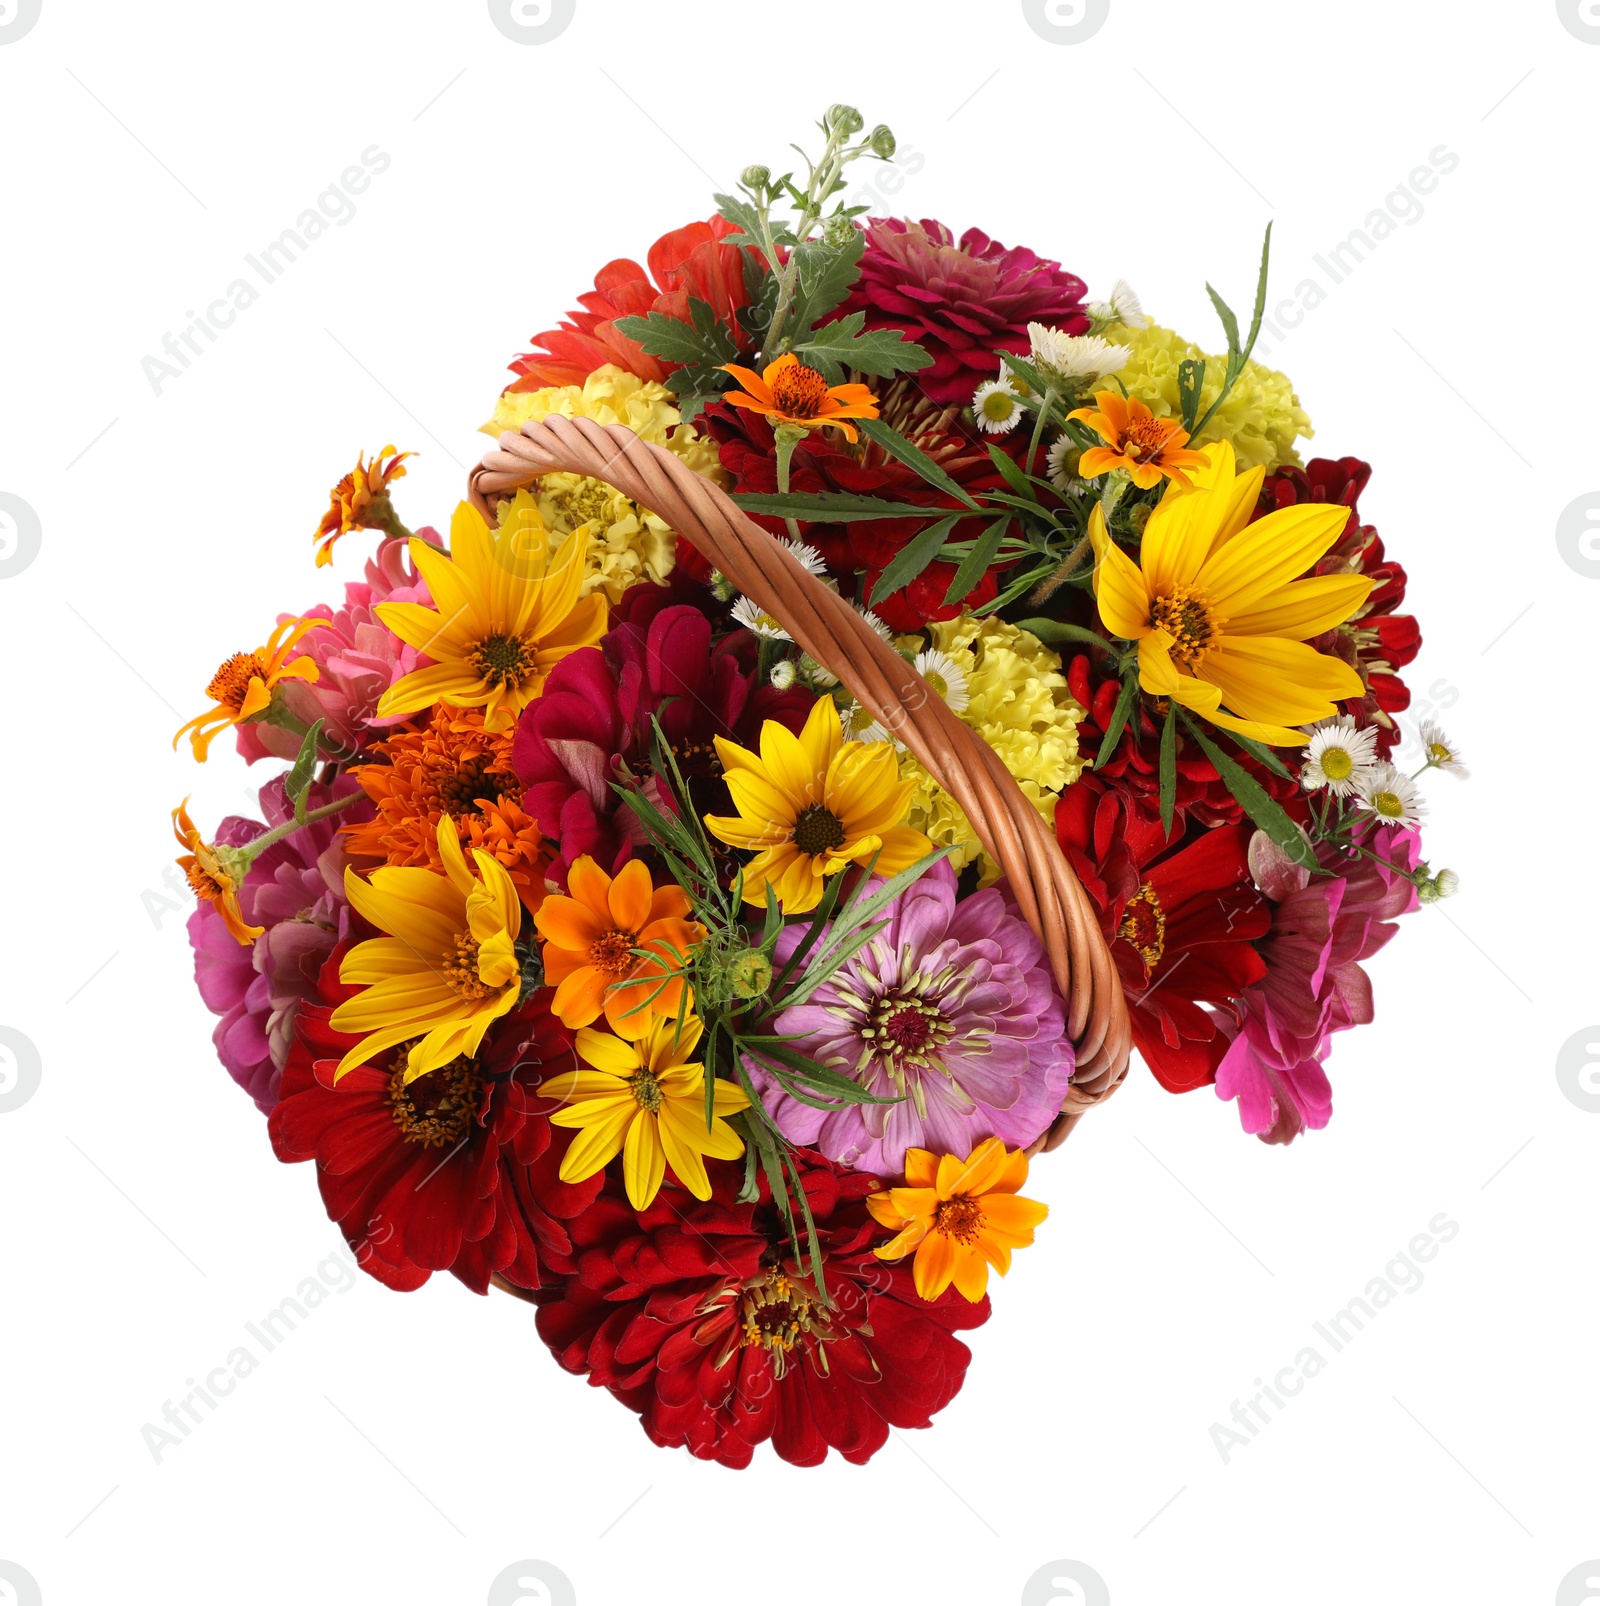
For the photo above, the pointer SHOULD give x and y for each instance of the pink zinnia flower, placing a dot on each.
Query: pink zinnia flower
(961, 301)
(951, 1005)
(296, 890)
(1322, 927)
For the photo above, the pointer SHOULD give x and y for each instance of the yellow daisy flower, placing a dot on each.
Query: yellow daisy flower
(1217, 611)
(504, 615)
(448, 968)
(812, 804)
(646, 1099)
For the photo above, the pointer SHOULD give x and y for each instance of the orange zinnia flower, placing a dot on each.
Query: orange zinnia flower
(1144, 446)
(790, 393)
(450, 765)
(589, 943)
(360, 501)
(241, 689)
(961, 1217)
(207, 877)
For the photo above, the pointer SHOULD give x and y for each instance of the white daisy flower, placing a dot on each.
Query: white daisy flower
(1122, 307)
(946, 676)
(860, 726)
(1439, 752)
(752, 618)
(810, 558)
(817, 674)
(879, 628)
(1393, 797)
(995, 406)
(1075, 359)
(1339, 756)
(1056, 464)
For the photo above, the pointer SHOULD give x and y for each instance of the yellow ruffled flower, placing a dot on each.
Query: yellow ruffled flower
(627, 543)
(1017, 700)
(1262, 415)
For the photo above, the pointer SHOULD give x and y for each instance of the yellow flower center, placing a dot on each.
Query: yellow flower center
(1388, 804)
(777, 1315)
(817, 829)
(232, 679)
(1144, 926)
(503, 660)
(1188, 617)
(1438, 753)
(460, 970)
(612, 955)
(799, 392)
(437, 1109)
(646, 1091)
(960, 1218)
(998, 407)
(1337, 763)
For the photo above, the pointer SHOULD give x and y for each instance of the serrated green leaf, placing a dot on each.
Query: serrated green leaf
(703, 341)
(976, 563)
(1255, 801)
(912, 455)
(1230, 324)
(1169, 768)
(826, 273)
(1126, 698)
(1191, 382)
(911, 560)
(844, 344)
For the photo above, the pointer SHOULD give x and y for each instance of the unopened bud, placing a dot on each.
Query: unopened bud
(841, 119)
(1447, 883)
(881, 141)
(749, 974)
(783, 673)
(722, 588)
(756, 177)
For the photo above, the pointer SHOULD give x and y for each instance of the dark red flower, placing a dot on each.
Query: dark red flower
(961, 301)
(690, 261)
(658, 661)
(1376, 641)
(824, 461)
(697, 1316)
(1181, 921)
(457, 1171)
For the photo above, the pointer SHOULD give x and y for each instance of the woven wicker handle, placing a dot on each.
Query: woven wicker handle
(1047, 891)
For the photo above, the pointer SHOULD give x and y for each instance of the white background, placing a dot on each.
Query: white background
(411, 1448)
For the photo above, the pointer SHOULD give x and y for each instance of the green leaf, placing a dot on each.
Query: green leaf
(704, 341)
(1255, 801)
(1230, 324)
(912, 455)
(1191, 380)
(1261, 294)
(1058, 633)
(297, 783)
(1263, 754)
(1128, 696)
(826, 273)
(1169, 769)
(808, 1071)
(976, 563)
(1013, 476)
(1237, 357)
(742, 214)
(843, 344)
(911, 560)
(834, 507)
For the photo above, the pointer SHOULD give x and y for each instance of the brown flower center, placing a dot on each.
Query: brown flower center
(959, 1218)
(205, 885)
(503, 660)
(778, 1315)
(460, 970)
(646, 1092)
(436, 1109)
(799, 392)
(612, 955)
(1146, 438)
(475, 778)
(1144, 926)
(1191, 621)
(232, 680)
(818, 829)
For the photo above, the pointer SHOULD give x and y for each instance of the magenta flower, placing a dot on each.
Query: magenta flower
(951, 1005)
(961, 302)
(296, 890)
(359, 658)
(1322, 928)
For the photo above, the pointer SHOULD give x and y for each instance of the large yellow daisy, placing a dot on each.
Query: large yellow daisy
(812, 804)
(448, 967)
(647, 1099)
(505, 613)
(1217, 611)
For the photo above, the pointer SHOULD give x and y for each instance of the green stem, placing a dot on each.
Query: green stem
(259, 845)
(787, 439)
(1038, 429)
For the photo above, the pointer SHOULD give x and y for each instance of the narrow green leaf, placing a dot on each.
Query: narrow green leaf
(1263, 754)
(1255, 801)
(1010, 472)
(976, 563)
(836, 507)
(1169, 768)
(1128, 696)
(912, 455)
(1230, 324)
(1058, 633)
(911, 560)
(1191, 381)
(297, 783)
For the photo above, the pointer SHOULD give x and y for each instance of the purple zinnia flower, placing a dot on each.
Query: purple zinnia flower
(296, 890)
(951, 1005)
(961, 301)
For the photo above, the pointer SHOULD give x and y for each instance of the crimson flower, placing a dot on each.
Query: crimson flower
(697, 1316)
(455, 1171)
(688, 262)
(961, 301)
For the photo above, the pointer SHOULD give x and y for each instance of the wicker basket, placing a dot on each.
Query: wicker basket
(1047, 891)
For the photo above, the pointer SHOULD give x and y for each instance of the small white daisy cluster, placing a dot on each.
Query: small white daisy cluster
(1072, 362)
(1122, 306)
(746, 613)
(948, 680)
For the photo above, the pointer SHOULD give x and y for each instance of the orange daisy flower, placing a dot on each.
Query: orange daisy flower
(241, 689)
(589, 943)
(1143, 446)
(207, 877)
(360, 501)
(960, 1216)
(790, 393)
(450, 765)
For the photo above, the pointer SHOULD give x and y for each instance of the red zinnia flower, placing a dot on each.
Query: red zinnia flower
(698, 1317)
(455, 1171)
(690, 261)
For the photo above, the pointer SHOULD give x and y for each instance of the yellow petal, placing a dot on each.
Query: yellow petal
(1266, 555)
(1119, 587)
(1304, 608)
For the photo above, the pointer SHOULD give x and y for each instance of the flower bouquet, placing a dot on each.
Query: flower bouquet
(867, 690)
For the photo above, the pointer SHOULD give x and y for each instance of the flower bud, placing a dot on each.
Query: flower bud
(749, 974)
(1447, 883)
(722, 588)
(881, 141)
(837, 230)
(782, 676)
(841, 119)
(756, 177)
